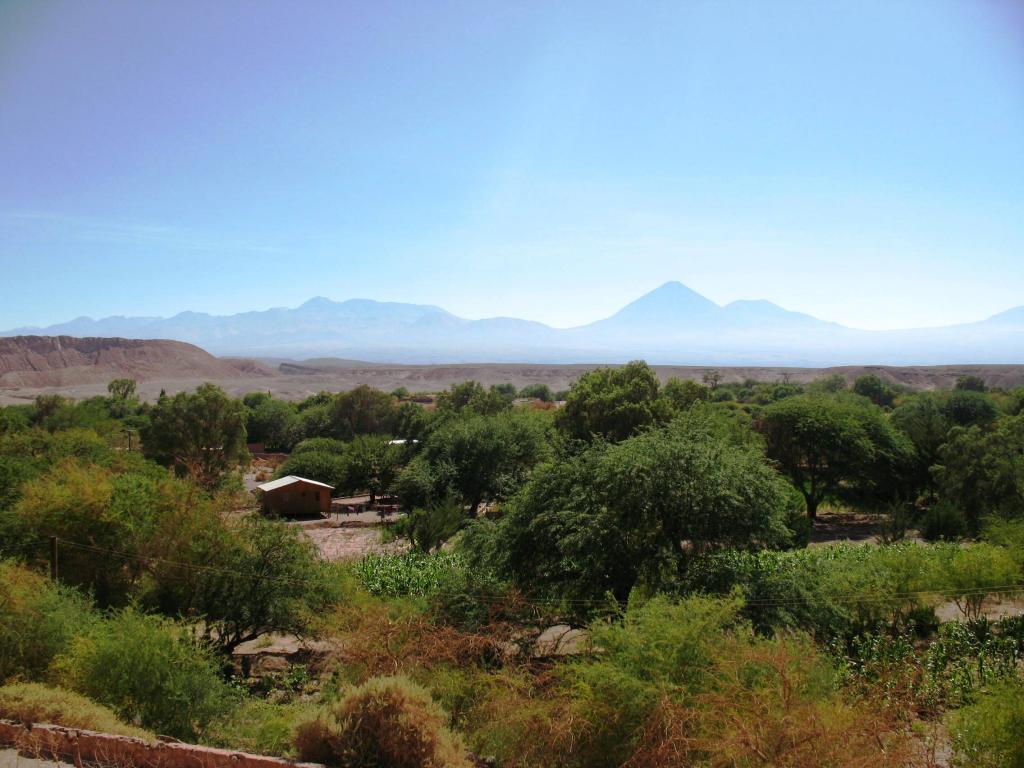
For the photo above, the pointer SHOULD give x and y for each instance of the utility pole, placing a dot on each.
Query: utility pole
(53, 558)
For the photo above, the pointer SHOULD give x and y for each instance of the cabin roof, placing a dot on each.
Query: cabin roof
(273, 485)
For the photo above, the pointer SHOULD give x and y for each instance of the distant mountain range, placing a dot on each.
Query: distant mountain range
(670, 325)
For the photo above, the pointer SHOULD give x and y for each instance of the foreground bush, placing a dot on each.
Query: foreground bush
(990, 733)
(387, 721)
(31, 703)
(149, 671)
(259, 727)
(37, 621)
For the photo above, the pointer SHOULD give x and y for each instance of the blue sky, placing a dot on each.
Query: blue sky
(860, 161)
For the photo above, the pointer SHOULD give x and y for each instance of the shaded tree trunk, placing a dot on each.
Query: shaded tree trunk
(812, 506)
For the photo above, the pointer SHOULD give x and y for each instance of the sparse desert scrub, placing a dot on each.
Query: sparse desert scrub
(386, 721)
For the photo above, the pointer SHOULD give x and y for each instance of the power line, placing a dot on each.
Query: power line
(495, 598)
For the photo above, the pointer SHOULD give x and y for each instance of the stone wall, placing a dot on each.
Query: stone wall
(103, 749)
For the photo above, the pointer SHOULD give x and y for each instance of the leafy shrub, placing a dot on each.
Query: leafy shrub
(34, 703)
(943, 522)
(971, 574)
(427, 528)
(832, 591)
(661, 649)
(408, 574)
(259, 727)
(320, 444)
(387, 721)
(268, 578)
(38, 620)
(990, 733)
(322, 466)
(149, 671)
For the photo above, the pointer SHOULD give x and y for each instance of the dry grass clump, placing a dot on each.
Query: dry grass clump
(767, 708)
(378, 640)
(387, 721)
(32, 703)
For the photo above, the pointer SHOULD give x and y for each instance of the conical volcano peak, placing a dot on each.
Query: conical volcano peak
(672, 302)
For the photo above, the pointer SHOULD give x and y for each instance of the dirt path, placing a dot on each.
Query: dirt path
(350, 540)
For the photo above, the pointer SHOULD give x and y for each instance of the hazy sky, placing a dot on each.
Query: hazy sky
(860, 161)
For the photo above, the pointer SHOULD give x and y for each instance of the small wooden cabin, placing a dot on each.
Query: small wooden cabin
(294, 496)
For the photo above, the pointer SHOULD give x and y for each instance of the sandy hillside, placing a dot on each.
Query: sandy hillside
(60, 362)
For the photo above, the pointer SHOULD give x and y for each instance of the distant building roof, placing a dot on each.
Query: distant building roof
(273, 485)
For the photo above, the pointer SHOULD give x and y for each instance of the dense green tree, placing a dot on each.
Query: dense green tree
(506, 390)
(324, 444)
(97, 512)
(970, 384)
(316, 401)
(981, 471)
(323, 466)
(681, 394)
(831, 384)
(1014, 408)
(200, 434)
(315, 421)
(872, 387)
(371, 464)
(634, 512)
(123, 400)
(483, 458)
(122, 389)
(613, 403)
(15, 418)
(275, 423)
(471, 396)
(362, 411)
(967, 407)
(820, 442)
(412, 422)
(149, 671)
(268, 577)
(427, 528)
(541, 392)
(922, 419)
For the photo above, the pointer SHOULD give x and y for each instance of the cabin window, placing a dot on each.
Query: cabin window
(286, 497)
(316, 495)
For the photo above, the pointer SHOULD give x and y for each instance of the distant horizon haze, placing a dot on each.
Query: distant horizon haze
(671, 324)
(625, 301)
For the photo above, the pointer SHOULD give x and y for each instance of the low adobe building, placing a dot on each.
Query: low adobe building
(294, 496)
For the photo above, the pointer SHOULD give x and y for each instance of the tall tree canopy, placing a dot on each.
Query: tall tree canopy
(201, 434)
(822, 441)
(635, 511)
(476, 458)
(981, 470)
(613, 403)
